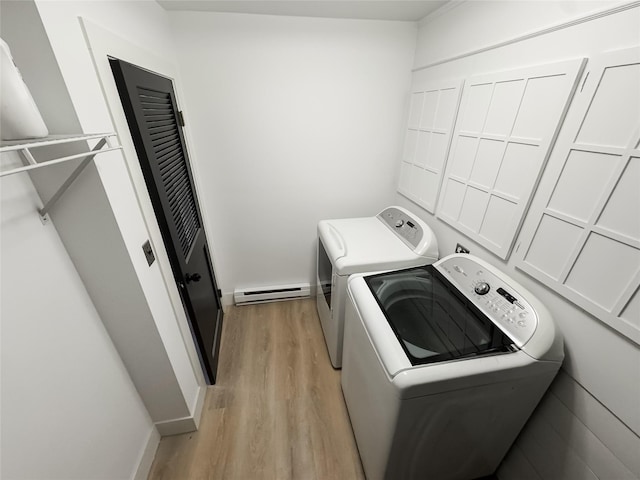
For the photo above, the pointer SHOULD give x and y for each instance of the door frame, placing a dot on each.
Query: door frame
(102, 44)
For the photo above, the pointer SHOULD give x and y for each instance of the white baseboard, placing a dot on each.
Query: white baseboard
(227, 300)
(169, 427)
(176, 426)
(148, 454)
(199, 405)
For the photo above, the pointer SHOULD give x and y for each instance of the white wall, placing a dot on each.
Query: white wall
(69, 409)
(588, 425)
(293, 120)
(463, 27)
(145, 289)
(142, 22)
(69, 406)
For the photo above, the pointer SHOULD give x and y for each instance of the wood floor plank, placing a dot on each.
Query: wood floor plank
(277, 411)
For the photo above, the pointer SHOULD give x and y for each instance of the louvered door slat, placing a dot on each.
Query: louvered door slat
(161, 105)
(167, 138)
(160, 131)
(170, 169)
(167, 147)
(166, 156)
(161, 122)
(178, 192)
(170, 162)
(175, 181)
(150, 96)
(157, 123)
(182, 206)
(155, 126)
(180, 203)
(181, 200)
(154, 117)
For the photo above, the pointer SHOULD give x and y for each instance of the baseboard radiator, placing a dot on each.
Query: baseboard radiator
(248, 296)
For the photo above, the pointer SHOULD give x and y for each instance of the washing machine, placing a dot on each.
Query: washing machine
(443, 365)
(395, 238)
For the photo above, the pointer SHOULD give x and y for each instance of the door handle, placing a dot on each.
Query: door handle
(195, 277)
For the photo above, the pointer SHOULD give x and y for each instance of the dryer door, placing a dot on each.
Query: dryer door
(432, 320)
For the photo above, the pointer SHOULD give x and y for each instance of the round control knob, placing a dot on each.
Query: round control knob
(482, 288)
(399, 223)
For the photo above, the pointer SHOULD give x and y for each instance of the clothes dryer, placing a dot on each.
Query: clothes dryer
(395, 238)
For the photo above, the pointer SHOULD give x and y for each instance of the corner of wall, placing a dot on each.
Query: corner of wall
(147, 456)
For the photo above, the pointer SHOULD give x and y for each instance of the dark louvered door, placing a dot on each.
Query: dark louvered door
(150, 107)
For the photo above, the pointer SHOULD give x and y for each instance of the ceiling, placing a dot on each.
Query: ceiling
(403, 10)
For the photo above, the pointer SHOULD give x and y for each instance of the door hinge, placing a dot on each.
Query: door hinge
(180, 118)
(219, 293)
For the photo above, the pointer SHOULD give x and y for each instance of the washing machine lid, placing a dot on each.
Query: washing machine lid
(356, 245)
(432, 321)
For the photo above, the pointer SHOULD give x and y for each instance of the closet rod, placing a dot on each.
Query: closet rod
(22, 147)
(51, 162)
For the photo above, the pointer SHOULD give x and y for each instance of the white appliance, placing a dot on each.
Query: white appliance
(443, 365)
(395, 238)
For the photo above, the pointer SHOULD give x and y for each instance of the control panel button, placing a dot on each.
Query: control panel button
(399, 223)
(494, 296)
(482, 288)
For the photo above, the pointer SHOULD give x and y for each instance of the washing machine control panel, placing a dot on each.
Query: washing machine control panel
(493, 296)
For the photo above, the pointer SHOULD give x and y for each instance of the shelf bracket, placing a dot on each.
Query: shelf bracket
(65, 186)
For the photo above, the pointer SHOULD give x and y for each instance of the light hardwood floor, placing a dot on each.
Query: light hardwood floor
(277, 410)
